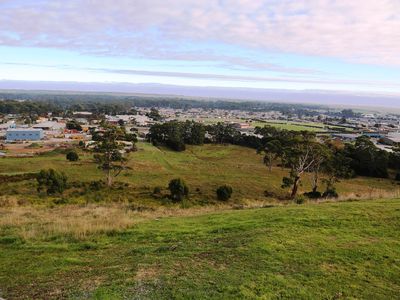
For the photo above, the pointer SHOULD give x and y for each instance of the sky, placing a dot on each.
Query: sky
(328, 45)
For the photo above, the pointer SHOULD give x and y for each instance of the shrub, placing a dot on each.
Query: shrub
(299, 199)
(52, 181)
(60, 201)
(224, 192)
(330, 193)
(96, 185)
(313, 195)
(178, 189)
(72, 155)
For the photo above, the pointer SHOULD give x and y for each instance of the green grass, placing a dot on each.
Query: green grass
(204, 168)
(310, 126)
(346, 250)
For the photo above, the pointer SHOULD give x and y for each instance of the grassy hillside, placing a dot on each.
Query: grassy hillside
(203, 167)
(346, 250)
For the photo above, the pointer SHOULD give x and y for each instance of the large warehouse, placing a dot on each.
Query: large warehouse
(24, 134)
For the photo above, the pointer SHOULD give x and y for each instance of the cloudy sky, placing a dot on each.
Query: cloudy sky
(342, 45)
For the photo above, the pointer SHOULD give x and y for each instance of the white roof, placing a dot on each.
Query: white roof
(23, 129)
(49, 124)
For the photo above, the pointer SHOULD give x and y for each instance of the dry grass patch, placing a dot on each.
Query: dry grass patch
(71, 221)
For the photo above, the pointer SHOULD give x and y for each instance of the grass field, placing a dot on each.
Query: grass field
(204, 168)
(288, 125)
(343, 250)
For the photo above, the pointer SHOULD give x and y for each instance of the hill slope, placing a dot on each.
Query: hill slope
(204, 168)
(316, 251)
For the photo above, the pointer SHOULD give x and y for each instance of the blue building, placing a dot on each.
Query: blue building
(24, 134)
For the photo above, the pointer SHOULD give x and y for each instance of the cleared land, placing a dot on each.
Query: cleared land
(348, 250)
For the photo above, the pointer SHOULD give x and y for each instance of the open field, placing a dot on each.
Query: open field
(204, 168)
(295, 126)
(344, 250)
(287, 125)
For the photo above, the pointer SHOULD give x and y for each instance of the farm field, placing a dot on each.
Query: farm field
(204, 168)
(348, 250)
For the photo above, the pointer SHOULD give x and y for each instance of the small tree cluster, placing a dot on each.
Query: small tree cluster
(52, 181)
(74, 125)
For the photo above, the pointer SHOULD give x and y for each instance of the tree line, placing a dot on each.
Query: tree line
(41, 103)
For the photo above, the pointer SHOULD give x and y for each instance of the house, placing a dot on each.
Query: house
(24, 134)
(241, 125)
(82, 114)
(49, 125)
(349, 137)
(391, 139)
(8, 125)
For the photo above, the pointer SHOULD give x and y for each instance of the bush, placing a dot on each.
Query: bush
(96, 185)
(72, 155)
(299, 199)
(313, 195)
(52, 181)
(178, 189)
(224, 192)
(330, 193)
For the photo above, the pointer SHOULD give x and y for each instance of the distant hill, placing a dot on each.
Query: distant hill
(333, 98)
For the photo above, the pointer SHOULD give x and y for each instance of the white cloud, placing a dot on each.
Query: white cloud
(364, 31)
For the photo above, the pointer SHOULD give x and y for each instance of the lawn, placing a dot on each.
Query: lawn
(343, 250)
(204, 168)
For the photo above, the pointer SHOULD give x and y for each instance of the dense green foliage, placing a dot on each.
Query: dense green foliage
(72, 155)
(154, 114)
(73, 125)
(224, 192)
(178, 189)
(366, 159)
(51, 181)
(176, 135)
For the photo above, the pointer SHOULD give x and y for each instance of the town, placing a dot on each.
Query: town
(21, 137)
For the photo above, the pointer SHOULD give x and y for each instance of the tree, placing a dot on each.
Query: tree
(178, 189)
(224, 192)
(121, 122)
(367, 159)
(272, 150)
(52, 181)
(73, 125)
(194, 133)
(321, 154)
(300, 159)
(109, 153)
(176, 135)
(154, 114)
(222, 133)
(72, 156)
